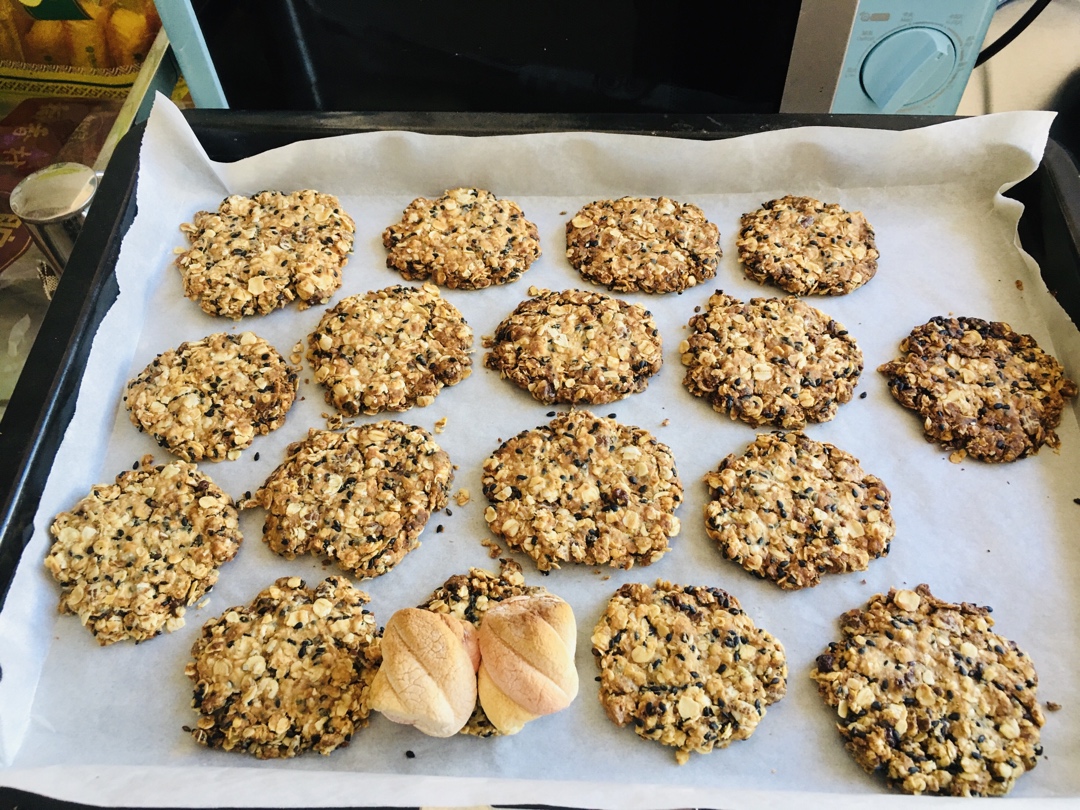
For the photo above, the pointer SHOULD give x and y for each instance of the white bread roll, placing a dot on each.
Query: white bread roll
(428, 673)
(526, 660)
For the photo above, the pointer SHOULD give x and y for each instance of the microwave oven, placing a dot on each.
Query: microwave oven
(686, 56)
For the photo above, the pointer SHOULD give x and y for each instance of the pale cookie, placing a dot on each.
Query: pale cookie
(643, 244)
(207, 399)
(807, 247)
(390, 349)
(467, 597)
(685, 666)
(584, 489)
(288, 673)
(256, 254)
(790, 509)
(131, 556)
(930, 698)
(359, 497)
(770, 361)
(980, 387)
(577, 347)
(466, 239)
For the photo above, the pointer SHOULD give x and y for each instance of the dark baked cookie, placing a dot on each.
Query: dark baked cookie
(256, 254)
(584, 489)
(288, 673)
(390, 349)
(360, 497)
(466, 239)
(930, 698)
(981, 388)
(685, 666)
(770, 361)
(577, 347)
(807, 247)
(790, 509)
(207, 399)
(643, 244)
(131, 556)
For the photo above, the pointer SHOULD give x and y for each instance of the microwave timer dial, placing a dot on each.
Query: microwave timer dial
(884, 56)
(907, 67)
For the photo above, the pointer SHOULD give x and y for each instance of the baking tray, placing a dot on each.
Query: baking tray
(43, 401)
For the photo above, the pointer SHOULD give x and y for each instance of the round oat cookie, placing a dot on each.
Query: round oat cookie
(584, 489)
(790, 509)
(930, 698)
(468, 597)
(643, 244)
(131, 556)
(577, 347)
(288, 673)
(773, 361)
(359, 497)
(256, 254)
(390, 349)
(981, 388)
(807, 247)
(466, 239)
(207, 399)
(686, 666)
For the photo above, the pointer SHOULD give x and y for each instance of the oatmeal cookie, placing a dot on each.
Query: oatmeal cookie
(256, 254)
(584, 489)
(771, 361)
(467, 597)
(288, 673)
(390, 349)
(466, 239)
(643, 244)
(807, 247)
(209, 398)
(790, 509)
(980, 387)
(930, 698)
(360, 497)
(686, 666)
(131, 556)
(577, 347)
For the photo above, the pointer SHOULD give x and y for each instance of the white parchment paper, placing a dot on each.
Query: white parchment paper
(104, 724)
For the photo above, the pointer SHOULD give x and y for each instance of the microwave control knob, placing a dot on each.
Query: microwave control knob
(907, 66)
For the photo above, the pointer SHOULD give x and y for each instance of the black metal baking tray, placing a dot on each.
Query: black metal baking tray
(43, 401)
